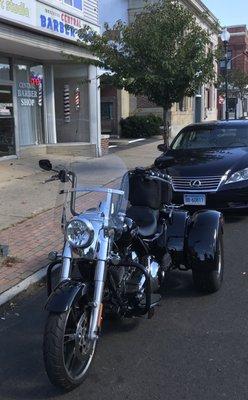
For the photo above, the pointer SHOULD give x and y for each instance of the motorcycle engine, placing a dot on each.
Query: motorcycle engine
(136, 281)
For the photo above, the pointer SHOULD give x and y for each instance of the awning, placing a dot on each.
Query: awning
(15, 41)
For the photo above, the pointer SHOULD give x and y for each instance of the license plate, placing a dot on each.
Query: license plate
(195, 199)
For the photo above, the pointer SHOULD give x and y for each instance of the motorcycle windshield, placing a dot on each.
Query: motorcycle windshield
(98, 184)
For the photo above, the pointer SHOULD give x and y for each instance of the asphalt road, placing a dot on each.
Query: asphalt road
(195, 347)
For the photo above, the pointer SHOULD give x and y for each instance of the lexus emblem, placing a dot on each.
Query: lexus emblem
(195, 183)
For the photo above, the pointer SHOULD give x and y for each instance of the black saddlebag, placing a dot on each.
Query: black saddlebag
(143, 192)
(148, 193)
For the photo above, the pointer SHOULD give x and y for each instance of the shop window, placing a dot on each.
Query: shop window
(5, 69)
(75, 3)
(183, 104)
(7, 130)
(29, 82)
(107, 111)
(208, 99)
(180, 105)
(245, 105)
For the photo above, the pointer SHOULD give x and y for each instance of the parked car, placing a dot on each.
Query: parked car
(208, 165)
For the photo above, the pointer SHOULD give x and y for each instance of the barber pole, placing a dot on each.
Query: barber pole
(67, 111)
(40, 94)
(77, 98)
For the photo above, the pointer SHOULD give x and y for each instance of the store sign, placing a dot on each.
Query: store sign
(22, 11)
(42, 17)
(58, 22)
(36, 80)
(27, 94)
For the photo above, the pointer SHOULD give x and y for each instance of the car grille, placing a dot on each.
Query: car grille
(196, 184)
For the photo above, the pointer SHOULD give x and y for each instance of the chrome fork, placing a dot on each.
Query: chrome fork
(66, 265)
(99, 280)
(99, 283)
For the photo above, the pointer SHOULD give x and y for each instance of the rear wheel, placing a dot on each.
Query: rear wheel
(67, 351)
(211, 281)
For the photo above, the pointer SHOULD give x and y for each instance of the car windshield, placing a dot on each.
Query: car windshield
(206, 138)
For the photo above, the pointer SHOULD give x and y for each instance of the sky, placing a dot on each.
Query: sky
(229, 12)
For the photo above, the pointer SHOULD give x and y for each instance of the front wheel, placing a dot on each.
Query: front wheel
(67, 351)
(211, 281)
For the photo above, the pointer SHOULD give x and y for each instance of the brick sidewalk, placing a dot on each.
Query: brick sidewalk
(32, 240)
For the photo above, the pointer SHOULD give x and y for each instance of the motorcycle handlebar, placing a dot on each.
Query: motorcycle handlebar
(153, 175)
(51, 179)
(158, 178)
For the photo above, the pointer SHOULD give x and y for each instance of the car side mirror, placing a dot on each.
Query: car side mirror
(46, 165)
(162, 147)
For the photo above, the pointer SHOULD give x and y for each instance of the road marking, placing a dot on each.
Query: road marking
(136, 140)
(112, 146)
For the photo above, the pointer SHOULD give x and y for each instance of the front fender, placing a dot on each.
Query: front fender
(203, 231)
(62, 298)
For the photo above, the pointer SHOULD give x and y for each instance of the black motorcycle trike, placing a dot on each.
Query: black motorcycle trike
(116, 259)
(193, 241)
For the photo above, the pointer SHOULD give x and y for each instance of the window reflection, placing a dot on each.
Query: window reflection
(29, 86)
(7, 132)
(4, 69)
(75, 3)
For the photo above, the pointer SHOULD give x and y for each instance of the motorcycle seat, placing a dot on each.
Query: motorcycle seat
(145, 218)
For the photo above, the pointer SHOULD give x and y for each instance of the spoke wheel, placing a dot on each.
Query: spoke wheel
(68, 352)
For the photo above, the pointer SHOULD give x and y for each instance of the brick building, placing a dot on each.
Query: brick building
(237, 47)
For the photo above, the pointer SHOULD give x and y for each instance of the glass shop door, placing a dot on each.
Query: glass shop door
(7, 124)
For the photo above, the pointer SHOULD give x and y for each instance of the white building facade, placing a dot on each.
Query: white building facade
(203, 106)
(49, 102)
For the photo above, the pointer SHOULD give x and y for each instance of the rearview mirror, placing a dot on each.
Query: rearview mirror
(162, 147)
(46, 165)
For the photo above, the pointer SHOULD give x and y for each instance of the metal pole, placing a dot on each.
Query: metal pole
(226, 80)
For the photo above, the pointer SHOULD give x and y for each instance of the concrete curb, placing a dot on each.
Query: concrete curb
(23, 285)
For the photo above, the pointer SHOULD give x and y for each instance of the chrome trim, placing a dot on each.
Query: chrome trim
(89, 226)
(66, 265)
(100, 249)
(207, 184)
(100, 277)
(96, 189)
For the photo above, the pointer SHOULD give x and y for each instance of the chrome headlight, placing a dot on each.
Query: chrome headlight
(238, 176)
(80, 233)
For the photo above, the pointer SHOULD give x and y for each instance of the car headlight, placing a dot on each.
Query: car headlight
(238, 176)
(80, 233)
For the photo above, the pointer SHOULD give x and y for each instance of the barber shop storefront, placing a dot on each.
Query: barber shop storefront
(20, 100)
(48, 103)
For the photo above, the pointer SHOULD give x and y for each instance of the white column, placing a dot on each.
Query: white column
(49, 105)
(94, 109)
(203, 94)
(16, 122)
